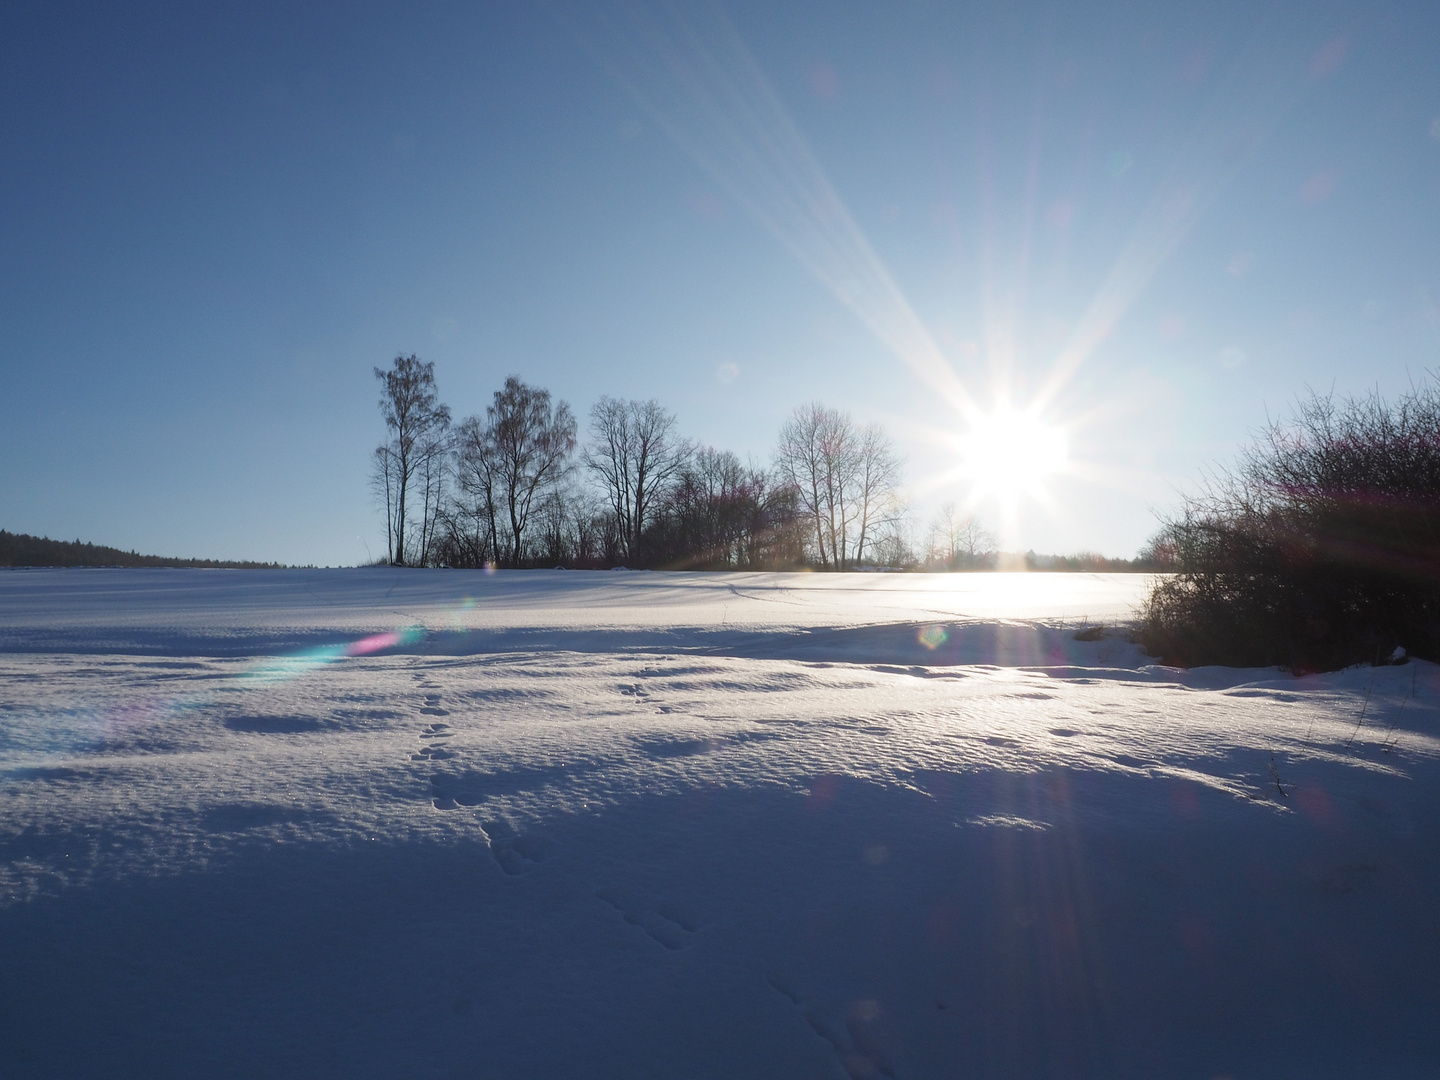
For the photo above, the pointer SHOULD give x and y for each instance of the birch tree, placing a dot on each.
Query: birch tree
(801, 459)
(411, 407)
(877, 486)
(847, 479)
(533, 442)
(476, 470)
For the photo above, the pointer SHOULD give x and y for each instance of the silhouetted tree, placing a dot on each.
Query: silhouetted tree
(805, 461)
(775, 538)
(892, 545)
(474, 524)
(511, 462)
(432, 472)
(417, 422)
(634, 454)
(1319, 549)
(494, 490)
(383, 484)
(704, 515)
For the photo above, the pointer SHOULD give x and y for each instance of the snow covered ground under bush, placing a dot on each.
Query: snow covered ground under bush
(386, 823)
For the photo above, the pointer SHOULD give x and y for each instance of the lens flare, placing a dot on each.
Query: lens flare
(71, 730)
(932, 637)
(365, 646)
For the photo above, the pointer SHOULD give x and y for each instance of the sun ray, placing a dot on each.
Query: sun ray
(1261, 87)
(700, 85)
(692, 74)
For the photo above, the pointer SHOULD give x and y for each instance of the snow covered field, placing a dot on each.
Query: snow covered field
(382, 823)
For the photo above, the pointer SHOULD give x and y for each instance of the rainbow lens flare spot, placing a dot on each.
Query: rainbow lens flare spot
(932, 637)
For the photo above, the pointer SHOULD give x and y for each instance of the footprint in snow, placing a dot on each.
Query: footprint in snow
(671, 925)
(432, 745)
(640, 694)
(857, 1040)
(515, 853)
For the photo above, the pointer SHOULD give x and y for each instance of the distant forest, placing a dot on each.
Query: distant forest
(520, 485)
(19, 549)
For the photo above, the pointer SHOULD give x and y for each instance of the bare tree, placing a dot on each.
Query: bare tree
(847, 479)
(476, 477)
(432, 471)
(803, 463)
(412, 412)
(382, 482)
(635, 453)
(512, 460)
(892, 544)
(776, 532)
(707, 512)
(841, 456)
(877, 486)
(957, 540)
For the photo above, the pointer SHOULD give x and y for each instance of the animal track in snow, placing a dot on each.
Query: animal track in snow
(434, 735)
(669, 924)
(443, 795)
(641, 695)
(855, 1042)
(676, 746)
(515, 853)
(273, 725)
(432, 743)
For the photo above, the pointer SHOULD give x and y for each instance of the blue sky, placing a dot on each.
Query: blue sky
(218, 219)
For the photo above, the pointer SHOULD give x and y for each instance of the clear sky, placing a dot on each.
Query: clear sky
(1135, 230)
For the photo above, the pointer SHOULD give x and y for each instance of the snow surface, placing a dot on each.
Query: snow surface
(384, 823)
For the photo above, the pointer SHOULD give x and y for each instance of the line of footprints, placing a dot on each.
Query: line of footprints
(435, 734)
(641, 695)
(668, 924)
(518, 854)
(515, 854)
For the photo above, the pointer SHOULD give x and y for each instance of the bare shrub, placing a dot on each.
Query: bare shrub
(1319, 548)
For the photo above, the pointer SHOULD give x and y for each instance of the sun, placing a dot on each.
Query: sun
(1007, 454)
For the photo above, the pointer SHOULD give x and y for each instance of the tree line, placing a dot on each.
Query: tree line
(521, 485)
(22, 549)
